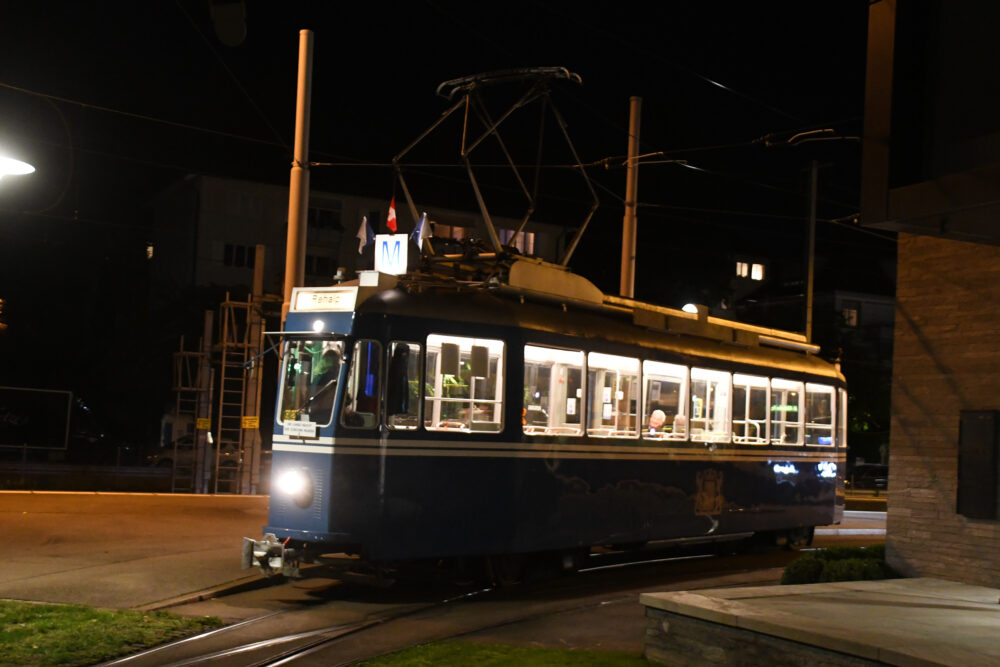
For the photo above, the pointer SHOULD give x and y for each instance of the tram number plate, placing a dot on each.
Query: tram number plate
(300, 429)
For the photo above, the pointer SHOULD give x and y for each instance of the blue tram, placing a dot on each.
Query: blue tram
(420, 417)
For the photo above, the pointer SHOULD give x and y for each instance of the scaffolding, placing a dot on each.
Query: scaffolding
(192, 383)
(237, 436)
(218, 394)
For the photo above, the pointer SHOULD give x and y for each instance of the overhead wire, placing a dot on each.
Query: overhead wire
(139, 116)
(232, 75)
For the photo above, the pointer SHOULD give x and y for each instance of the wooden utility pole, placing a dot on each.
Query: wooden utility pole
(811, 248)
(631, 196)
(298, 191)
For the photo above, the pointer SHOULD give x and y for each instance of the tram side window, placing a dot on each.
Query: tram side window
(819, 415)
(402, 386)
(786, 412)
(553, 391)
(362, 391)
(750, 425)
(463, 384)
(613, 383)
(311, 373)
(710, 405)
(665, 408)
(842, 418)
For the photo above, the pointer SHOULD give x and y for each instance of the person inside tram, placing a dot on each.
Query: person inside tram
(324, 386)
(657, 418)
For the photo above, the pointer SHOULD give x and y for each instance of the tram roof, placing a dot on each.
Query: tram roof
(557, 302)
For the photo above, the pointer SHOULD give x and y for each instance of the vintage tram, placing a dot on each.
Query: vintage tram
(525, 412)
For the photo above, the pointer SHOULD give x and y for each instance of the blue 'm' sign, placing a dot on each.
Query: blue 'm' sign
(390, 253)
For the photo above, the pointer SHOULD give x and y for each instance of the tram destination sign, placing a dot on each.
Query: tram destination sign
(336, 299)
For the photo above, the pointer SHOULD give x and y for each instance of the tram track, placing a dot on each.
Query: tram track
(396, 622)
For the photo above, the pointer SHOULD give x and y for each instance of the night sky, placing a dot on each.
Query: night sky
(114, 101)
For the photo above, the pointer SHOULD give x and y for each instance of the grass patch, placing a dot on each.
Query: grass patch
(502, 655)
(50, 634)
(839, 564)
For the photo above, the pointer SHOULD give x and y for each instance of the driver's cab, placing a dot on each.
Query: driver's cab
(311, 373)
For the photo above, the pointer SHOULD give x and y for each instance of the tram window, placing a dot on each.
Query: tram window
(553, 391)
(469, 395)
(665, 408)
(750, 403)
(786, 412)
(362, 391)
(819, 415)
(402, 386)
(842, 418)
(311, 373)
(710, 405)
(613, 383)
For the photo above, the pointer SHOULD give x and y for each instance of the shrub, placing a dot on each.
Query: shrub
(854, 569)
(805, 570)
(839, 564)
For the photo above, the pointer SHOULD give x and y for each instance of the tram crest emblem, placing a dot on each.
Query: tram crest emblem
(708, 499)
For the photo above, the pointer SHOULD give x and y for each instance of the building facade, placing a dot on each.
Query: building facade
(930, 172)
(206, 230)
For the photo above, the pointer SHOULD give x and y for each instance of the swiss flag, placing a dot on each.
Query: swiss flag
(390, 220)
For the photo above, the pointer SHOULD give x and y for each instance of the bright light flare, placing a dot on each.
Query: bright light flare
(690, 308)
(293, 482)
(319, 325)
(11, 167)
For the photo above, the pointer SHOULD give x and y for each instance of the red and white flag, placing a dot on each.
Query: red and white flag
(390, 220)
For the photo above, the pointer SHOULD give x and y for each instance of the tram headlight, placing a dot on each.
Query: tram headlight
(298, 485)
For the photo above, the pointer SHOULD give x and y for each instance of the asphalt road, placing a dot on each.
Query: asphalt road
(147, 550)
(122, 550)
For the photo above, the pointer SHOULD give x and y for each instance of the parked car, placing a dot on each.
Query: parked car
(869, 476)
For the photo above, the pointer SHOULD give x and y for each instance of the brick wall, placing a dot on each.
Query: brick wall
(946, 359)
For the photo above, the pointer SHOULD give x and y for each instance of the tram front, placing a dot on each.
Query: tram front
(318, 379)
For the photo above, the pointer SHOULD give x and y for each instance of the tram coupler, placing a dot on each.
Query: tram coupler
(270, 555)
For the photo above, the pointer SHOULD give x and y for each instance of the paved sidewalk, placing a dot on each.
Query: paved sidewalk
(916, 621)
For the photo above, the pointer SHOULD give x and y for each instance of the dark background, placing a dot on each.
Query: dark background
(114, 101)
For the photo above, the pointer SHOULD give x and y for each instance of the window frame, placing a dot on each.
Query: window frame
(662, 369)
(751, 382)
(831, 391)
(603, 432)
(432, 403)
(581, 402)
(785, 384)
(712, 436)
(349, 384)
(420, 385)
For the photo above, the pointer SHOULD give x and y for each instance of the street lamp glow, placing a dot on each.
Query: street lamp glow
(11, 167)
(690, 308)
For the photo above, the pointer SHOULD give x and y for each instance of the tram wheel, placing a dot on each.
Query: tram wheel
(505, 570)
(800, 537)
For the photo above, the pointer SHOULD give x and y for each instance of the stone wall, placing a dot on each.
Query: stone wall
(946, 359)
(682, 641)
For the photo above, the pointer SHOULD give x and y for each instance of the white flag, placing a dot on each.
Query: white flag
(365, 235)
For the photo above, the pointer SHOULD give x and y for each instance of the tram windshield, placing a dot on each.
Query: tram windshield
(311, 375)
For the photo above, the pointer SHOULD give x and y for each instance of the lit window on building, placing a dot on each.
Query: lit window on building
(149, 250)
(525, 241)
(449, 232)
(742, 269)
(851, 311)
(757, 272)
